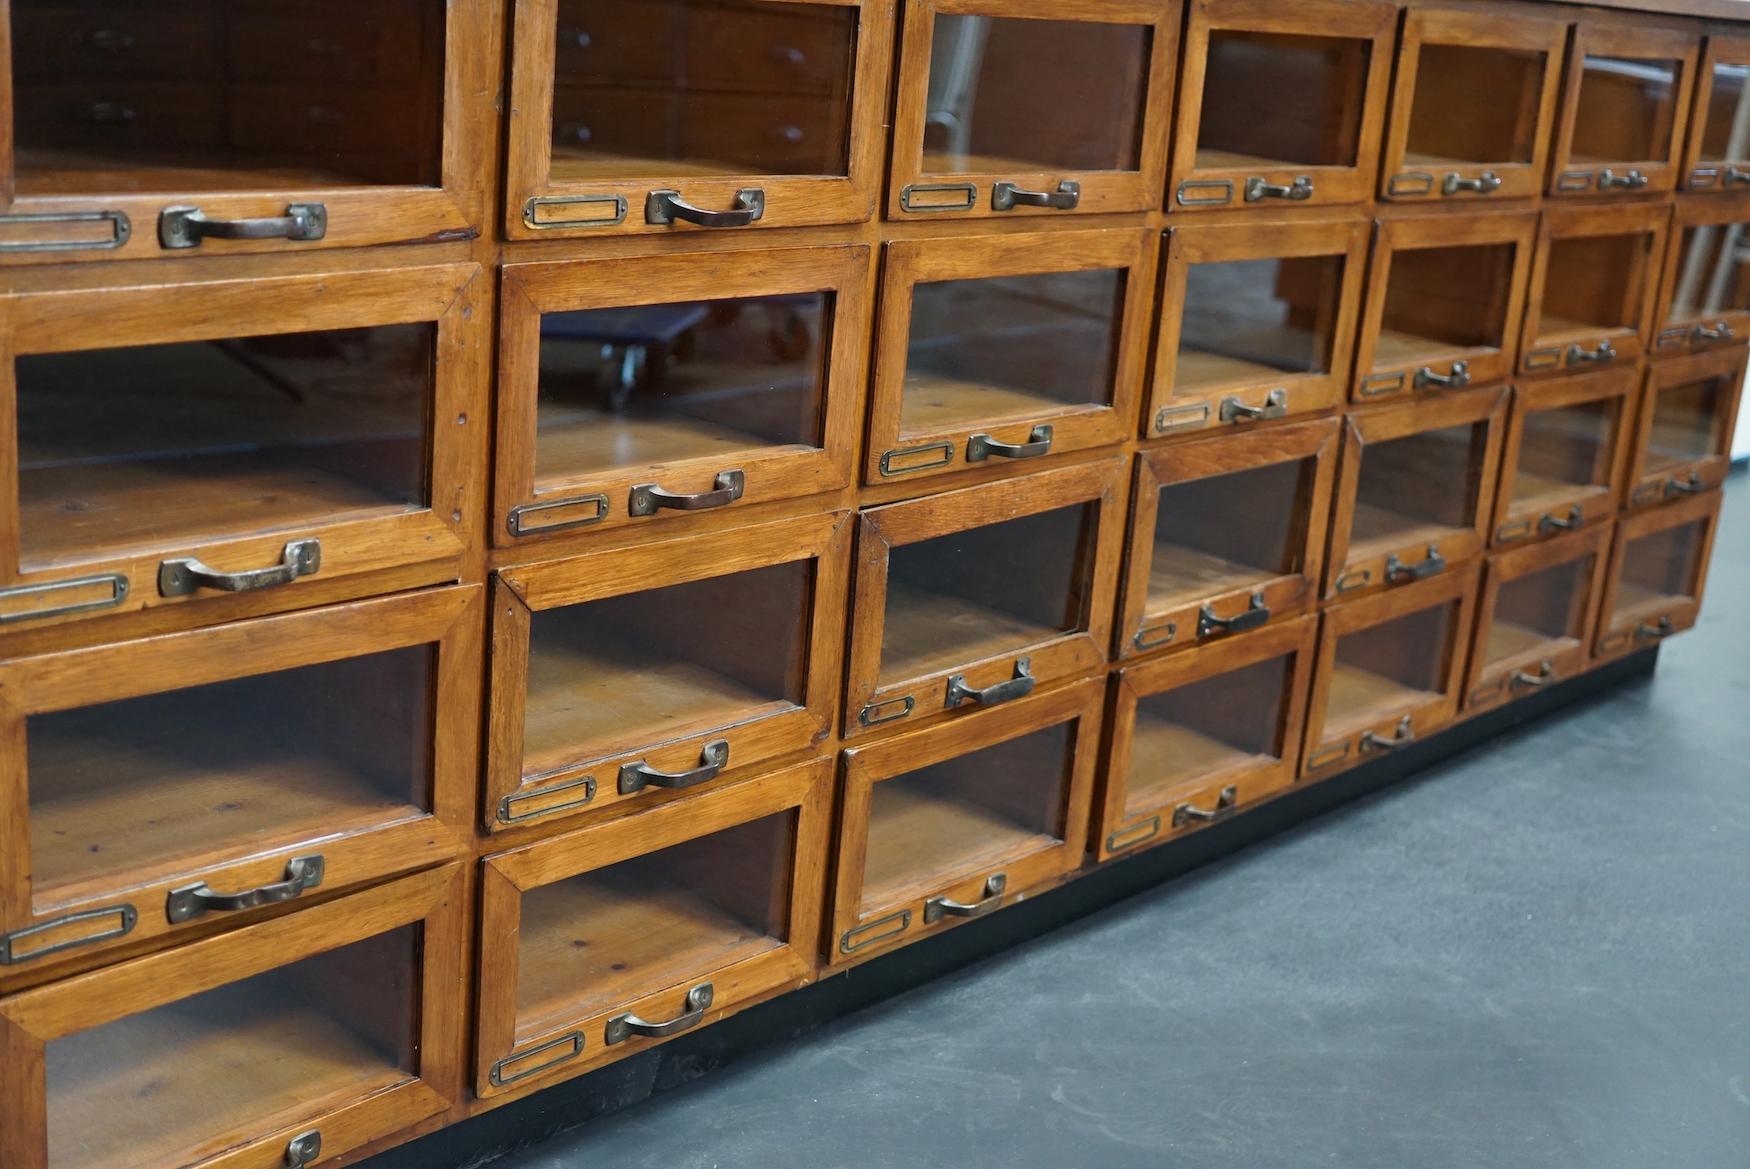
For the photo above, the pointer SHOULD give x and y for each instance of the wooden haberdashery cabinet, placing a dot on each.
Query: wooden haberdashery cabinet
(1592, 295)
(1226, 534)
(1567, 451)
(1704, 299)
(1198, 737)
(1625, 108)
(1535, 616)
(1658, 565)
(1688, 413)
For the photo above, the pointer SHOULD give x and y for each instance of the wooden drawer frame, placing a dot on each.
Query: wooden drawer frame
(119, 225)
(587, 784)
(1641, 487)
(912, 193)
(1214, 796)
(1465, 182)
(525, 511)
(357, 553)
(1141, 629)
(537, 207)
(1713, 177)
(1452, 364)
(1626, 343)
(1585, 505)
(1698, 334)
(1345, 578)
(504, 1066)
(894, 455)
(1489, 685)
(1185, 244)
(857, 934)
(96, 915)
(1654, 623)
(1620, 38)
(1325, 755)
(1194, 189)
(871, 705)
(434, 899)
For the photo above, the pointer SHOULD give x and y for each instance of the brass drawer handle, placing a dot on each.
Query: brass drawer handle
(180, 577)
(304, 1149)
(110, 40)
(1605, 351)
(1226, 804)
(982, 446)
(1657, 631)
(1008, 196)
(936, 908)
(192, 901)
(1299, 190)
(664, 207)
(1275, 406)
(648, 498)
(186, 227)
(1458, 376)
(622, 1027)
(1255, 614)
(1402, 737)
(635, 777)
(1431, 563)
(111, 113)
(1632, 180)
(1484, 184)
(1546, 673)
(1019, 686)
(1735, 177)
(1549, 522)
(1690, 484)
(1719, 332)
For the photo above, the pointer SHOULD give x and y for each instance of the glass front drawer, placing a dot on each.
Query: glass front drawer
(1705, 301)
(150, 128)
(981, 126)
(953, 822)
(1390, 671)
(651, 389)
(627, 673)
(1591, 300)
(164, 781)
(665, 115)
(970, 599)
(1688, 415)
(1445, 303)
(608, 938)
(1415, 490)
(1658, 565)
(1227, 534)
(1567, 452)
(1473, 108)
(311, 1035)
(1625, 109)
(1198, 737)
(1535, 616)
(1718, 156)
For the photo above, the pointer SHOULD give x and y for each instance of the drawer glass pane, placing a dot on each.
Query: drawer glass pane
(1713, 275)
(1562, 450)
(659, 383)
(157, 95)
(642, 667)
(1010, 346)
(153, 444)
(986, 592)
(1225, 532)
(1539, 613)
(1688, 423)
(1224, 723)
(996, 97)
(1419, 487)
(1590, 284)
(1383, 669)
(1627, 110)
(1274, 99)
(1441, 299)
(1252, 320)
(235, 766)
(1659, 568)
(632, 928)
(162, 1088)
(694, 88)
(966, 814)
(1721, 139)
(1474, 105)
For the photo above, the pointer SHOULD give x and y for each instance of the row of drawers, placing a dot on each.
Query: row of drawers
(620, 122)
(346, 1020)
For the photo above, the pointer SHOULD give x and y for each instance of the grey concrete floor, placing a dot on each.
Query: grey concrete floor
(1534, 955)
